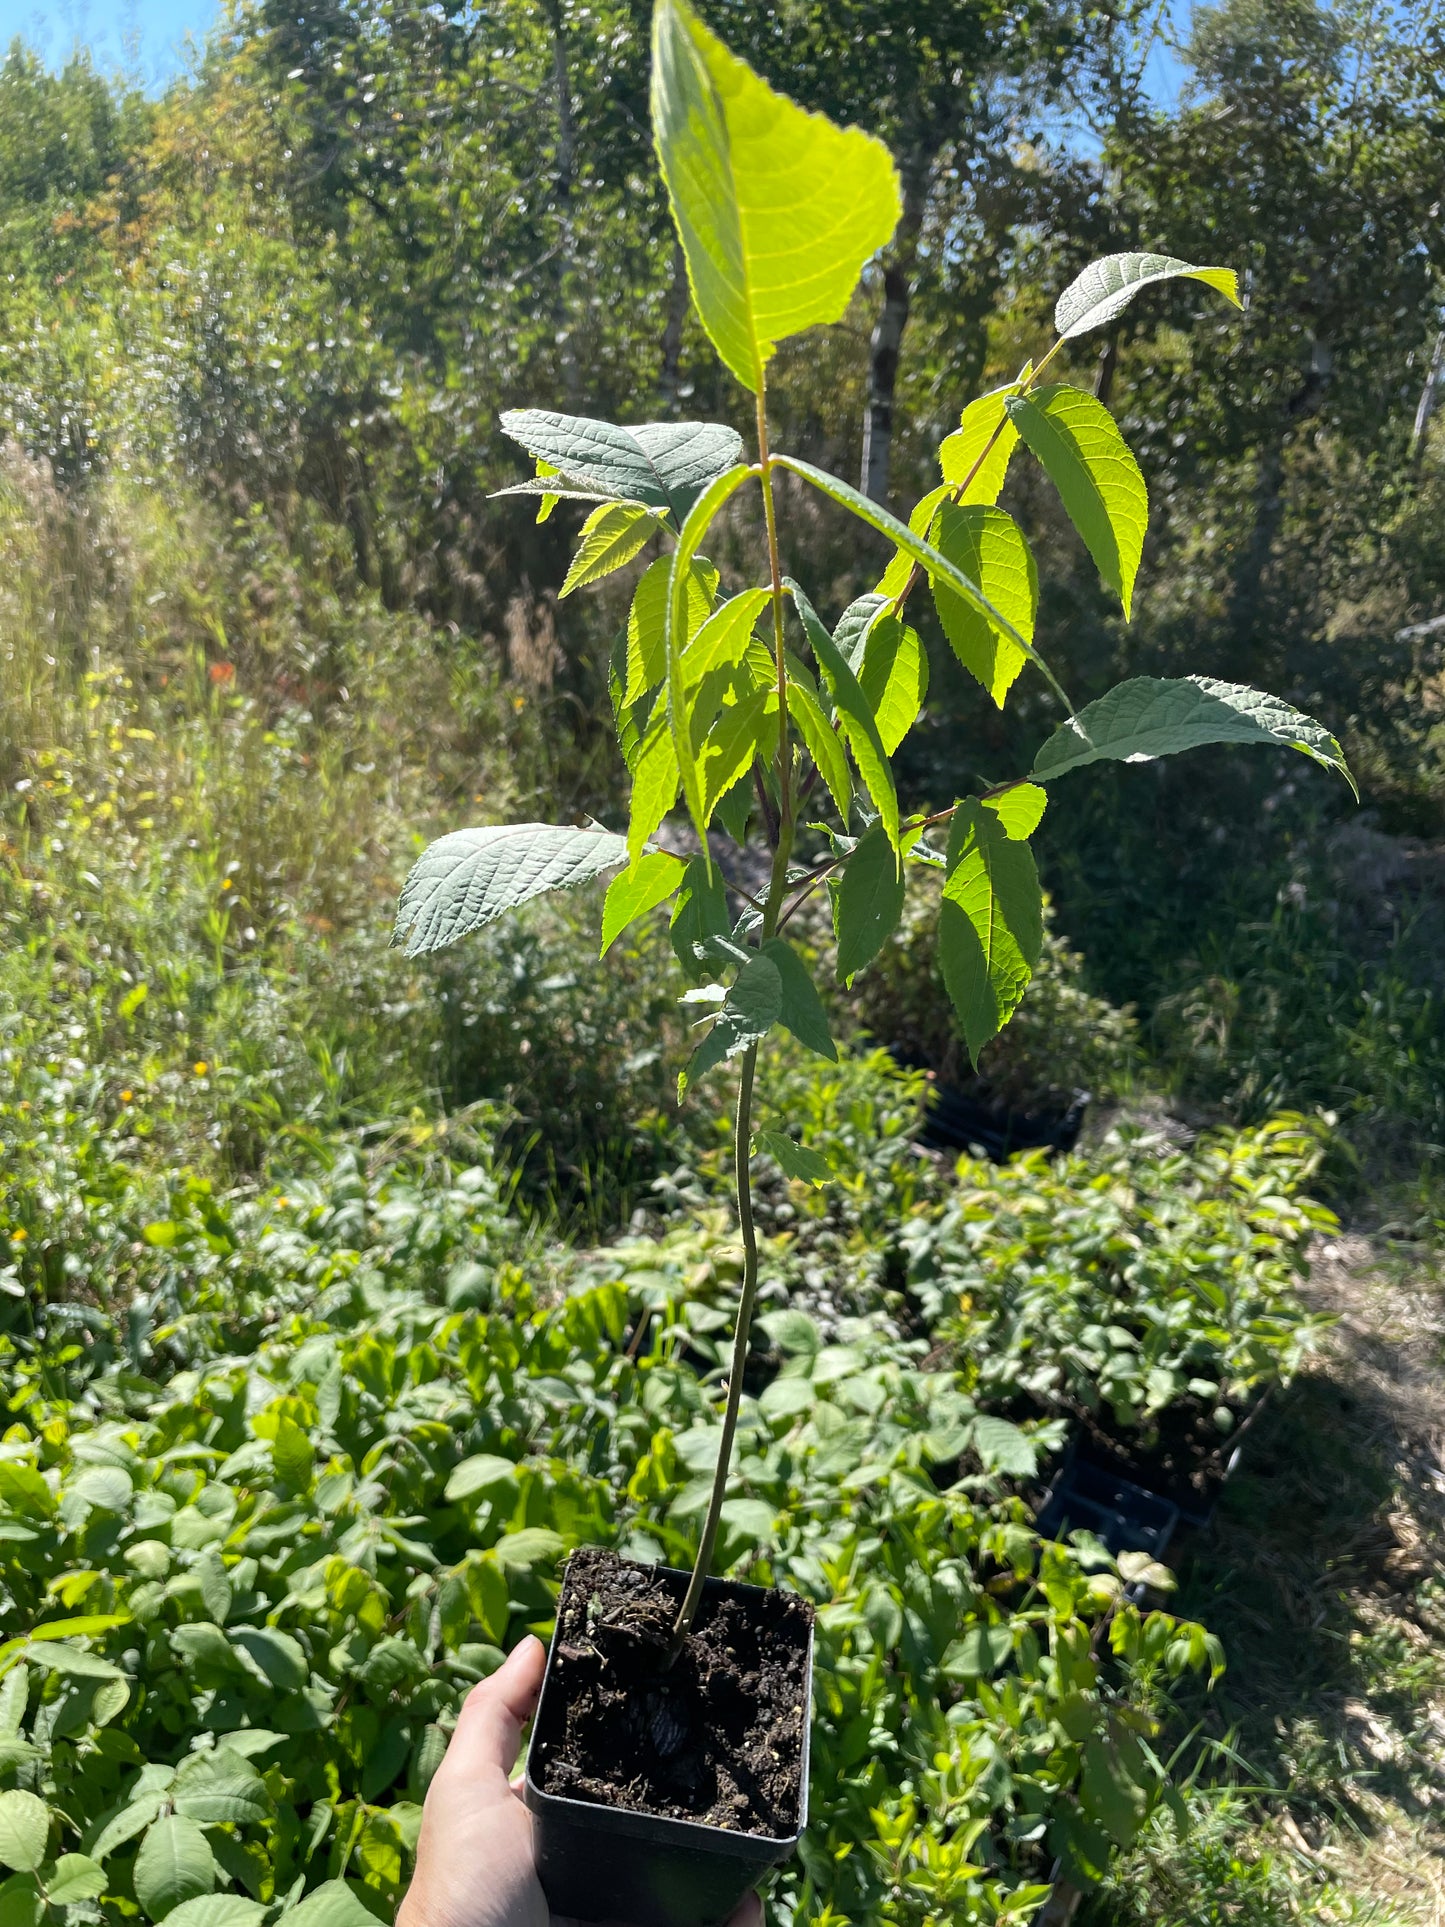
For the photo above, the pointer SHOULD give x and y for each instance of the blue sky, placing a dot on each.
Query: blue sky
(147, 37)
(144, 37)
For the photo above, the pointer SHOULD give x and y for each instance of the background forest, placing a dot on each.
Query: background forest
(263, 633)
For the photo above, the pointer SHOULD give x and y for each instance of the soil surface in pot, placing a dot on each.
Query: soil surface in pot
(716, 1736)
(1185, 1460)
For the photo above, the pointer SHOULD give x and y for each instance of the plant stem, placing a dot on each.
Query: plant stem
(742, 1138)
(743, 1127)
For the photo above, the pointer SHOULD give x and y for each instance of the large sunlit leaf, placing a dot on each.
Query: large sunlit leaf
(820, 738)
(664, 465)
(1152, 716)
(471, 877)
(893, 675)
(654, 783)
(174, 1864)
(778, 209)
(990, 923)
(647, 620)
(1108, 285)
(24, 1830)
(1091, 465)
(911, 543)
(990, 549)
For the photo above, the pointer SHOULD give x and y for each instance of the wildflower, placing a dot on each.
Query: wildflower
(126, 1096)
(223, 671)
(19, 1236)
(225, 883)
(200, 1068)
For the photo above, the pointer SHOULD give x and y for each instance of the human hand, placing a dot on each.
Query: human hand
(474, 1860)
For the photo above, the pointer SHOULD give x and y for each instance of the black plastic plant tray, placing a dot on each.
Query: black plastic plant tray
(1125, 1516)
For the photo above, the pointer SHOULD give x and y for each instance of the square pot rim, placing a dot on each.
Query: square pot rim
(638, 1821)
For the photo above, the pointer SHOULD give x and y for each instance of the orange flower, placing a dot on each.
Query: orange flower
(223, 671)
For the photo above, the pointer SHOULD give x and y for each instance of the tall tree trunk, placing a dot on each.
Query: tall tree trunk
(887, 341)
(1429, 395)
(672, 331)
(564, 182)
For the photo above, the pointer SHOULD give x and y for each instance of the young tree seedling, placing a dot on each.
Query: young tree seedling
(778, 211)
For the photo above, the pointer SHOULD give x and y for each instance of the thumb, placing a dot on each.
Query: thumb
(489, 1727)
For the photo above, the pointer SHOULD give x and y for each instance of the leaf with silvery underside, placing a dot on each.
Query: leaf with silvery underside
(802, 1009)
(990, 923)
(471, 877)
(795, 1160)
(1088, 461)
(1108, 285)
(867, 901)
(611, 537)
(777, 209)
(24, 1830)
(854, 624)
(174, 1864)
(854, 712)
(990, 549)
(753, 1005)
(665, 465)
(1151, 716)
(73, 1878)
(911, 543)
(635, 891)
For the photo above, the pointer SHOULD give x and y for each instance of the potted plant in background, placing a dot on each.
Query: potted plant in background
(668, 1767)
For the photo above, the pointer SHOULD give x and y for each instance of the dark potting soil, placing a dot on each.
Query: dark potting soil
(1185, 1461)
(716, 1736)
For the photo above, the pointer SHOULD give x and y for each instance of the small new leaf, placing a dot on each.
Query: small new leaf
(611, 536)
(1151, 716)
(794, 1159)
(1020, 809)
(753, 1005)
(1108, 285)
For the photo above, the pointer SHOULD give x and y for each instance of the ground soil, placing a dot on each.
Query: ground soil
(715, 1735)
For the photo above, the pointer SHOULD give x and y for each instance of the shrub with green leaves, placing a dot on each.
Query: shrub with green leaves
(1129, 1280)
(765, 720)
(252, 1558)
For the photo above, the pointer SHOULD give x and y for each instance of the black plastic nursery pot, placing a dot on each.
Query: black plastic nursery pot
(663, 1789)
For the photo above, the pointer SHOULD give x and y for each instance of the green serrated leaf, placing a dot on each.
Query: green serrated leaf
(990, 924)
(867, 901)
(1091, 465)
(1151, 716)
(820, 739)
(753, 1005)
(676, 639)
(746, 731)
(647, 620)
(1003, 1447)
(989, 548)
(853, 625)
(220, 1788)
(24, 1831)
(633, 892)
(909, 542)
(279, 1657)
(174, 1864)
(234, 1910)
(802, 1009)
(795, 1160)
(980, 1652)
(894, 677)
(975, 457)
(723, 640)
(855, 714)
(332, 1904)
(700, 913)
(777, 209)
(663, 465)
(471, 877)
(654, 784)
(1108, 285)
(610, 537)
